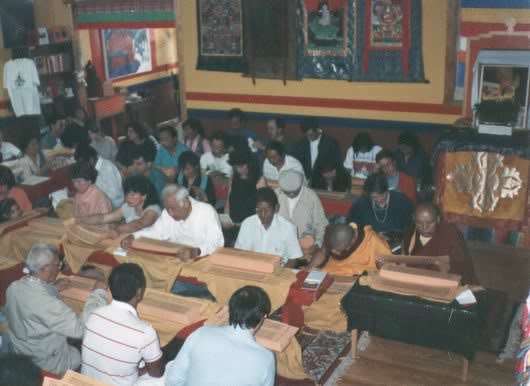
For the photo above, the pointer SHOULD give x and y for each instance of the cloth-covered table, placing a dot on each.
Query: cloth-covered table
(222, 287)
(17, 243)
(410, 319)
(414, 320)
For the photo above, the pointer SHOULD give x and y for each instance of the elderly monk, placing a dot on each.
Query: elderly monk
(433, 237)
(39, 321)
(184, 221)
(349, 250)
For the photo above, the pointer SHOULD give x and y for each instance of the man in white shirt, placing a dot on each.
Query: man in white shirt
(184, 221)
(217, 159)
(229, 355)
(116, 340)
(109, 177)
(267, 232)
(277, 161)
(314, 148)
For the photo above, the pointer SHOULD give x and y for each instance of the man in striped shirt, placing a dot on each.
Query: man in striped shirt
(118, 347)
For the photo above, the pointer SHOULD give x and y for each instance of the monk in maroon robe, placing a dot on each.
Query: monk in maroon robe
(433, 237)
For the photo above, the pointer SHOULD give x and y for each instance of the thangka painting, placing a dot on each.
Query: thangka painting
(126, 52)
(325, 27)
(220, 28)
(386, 26)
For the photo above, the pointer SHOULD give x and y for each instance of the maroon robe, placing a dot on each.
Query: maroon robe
(447, 240)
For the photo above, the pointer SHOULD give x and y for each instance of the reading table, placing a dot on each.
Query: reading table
(414, 320)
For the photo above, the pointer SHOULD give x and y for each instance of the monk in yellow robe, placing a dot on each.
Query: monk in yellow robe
(348, 250)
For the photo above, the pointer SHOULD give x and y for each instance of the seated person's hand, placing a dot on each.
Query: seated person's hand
(259, 145)
(187, 254)
(126, 243)
(318, 258)
(199, 193)
(100, 284)
(379, 261)
(62, 284)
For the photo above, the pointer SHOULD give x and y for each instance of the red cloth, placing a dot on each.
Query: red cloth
(407, 186)
(21, 198)
(447, 240)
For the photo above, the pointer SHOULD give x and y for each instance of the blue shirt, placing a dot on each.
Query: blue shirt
(166, 160)
(221, 356)
(158, 179)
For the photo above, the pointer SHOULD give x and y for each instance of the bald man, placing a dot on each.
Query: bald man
(349, 250)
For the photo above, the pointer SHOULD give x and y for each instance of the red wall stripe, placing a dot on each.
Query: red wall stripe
(326, 103)
(470, 29)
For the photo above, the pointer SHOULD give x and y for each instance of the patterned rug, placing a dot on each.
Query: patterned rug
(325, 357)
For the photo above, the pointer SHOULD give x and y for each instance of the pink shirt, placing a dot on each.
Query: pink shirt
(91, 202)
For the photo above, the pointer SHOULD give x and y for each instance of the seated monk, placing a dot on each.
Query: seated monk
(348, 250)
(433, 237)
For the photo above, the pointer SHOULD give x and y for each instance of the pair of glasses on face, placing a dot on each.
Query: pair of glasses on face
(59, 264)
(290, 194)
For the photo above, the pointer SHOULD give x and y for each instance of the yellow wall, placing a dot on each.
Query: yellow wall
(434, 40)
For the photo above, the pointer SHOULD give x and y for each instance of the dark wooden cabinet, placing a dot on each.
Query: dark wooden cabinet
(58, 85)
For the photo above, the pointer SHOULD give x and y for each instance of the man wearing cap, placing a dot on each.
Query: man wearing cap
(301, 205)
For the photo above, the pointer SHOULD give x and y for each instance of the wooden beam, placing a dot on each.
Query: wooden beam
(451, 52)
(180, 60)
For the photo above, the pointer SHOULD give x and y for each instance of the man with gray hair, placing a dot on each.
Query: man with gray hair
(184, 221)
(39, 321)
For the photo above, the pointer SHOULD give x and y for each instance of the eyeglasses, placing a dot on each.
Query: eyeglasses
(290, 194)
(59, 264)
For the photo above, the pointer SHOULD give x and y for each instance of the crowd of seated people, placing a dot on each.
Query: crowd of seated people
(272, 201)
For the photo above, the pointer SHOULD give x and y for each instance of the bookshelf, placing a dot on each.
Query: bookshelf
(55, 66)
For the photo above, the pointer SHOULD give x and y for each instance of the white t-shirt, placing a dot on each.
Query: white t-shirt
(361, 164)
(9, 150)
(21, 80)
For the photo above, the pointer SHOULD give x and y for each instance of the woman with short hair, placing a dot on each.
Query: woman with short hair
(140, 209)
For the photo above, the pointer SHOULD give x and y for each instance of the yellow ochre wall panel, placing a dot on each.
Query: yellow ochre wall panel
(434, 41)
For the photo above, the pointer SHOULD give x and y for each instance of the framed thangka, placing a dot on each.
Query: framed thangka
(388, 41)
(325, 28)
(326, 38)
(126, 52)
(220, 34)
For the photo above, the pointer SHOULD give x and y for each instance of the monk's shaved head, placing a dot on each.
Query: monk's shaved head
(342, 236)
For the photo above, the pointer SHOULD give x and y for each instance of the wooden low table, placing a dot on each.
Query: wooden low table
(414, 320)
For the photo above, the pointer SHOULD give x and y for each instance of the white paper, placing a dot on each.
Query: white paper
(120, 252)
(34, 180)
(466, 297)
(225, 218)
